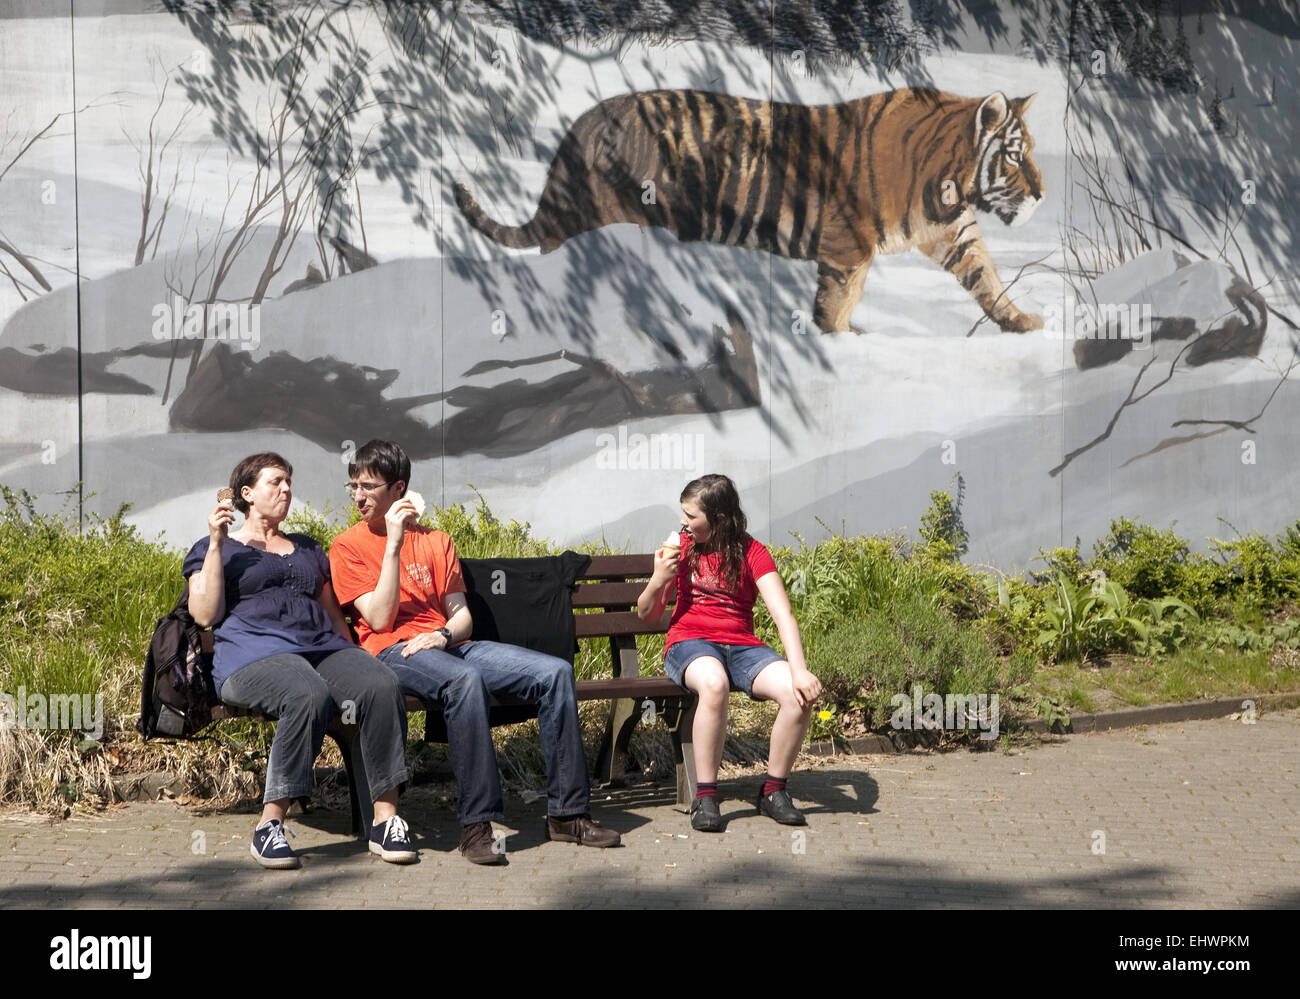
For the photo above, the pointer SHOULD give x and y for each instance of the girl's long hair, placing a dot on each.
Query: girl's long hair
(718, 500)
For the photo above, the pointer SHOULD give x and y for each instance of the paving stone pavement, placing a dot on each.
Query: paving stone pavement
(1201, 814)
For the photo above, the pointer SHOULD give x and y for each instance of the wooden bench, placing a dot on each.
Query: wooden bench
(604, 603)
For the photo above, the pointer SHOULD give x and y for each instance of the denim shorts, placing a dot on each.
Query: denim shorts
(743, 663)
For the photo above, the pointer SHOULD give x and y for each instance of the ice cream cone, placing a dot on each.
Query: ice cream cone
(417, 501)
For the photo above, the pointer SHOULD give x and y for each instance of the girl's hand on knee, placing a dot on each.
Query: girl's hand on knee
(807, 688)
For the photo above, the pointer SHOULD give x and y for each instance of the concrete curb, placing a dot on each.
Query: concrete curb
(1102, 721)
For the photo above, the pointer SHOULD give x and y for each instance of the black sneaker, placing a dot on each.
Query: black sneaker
(390, 840)
(269, 847)
(778, 805)
(705, 816)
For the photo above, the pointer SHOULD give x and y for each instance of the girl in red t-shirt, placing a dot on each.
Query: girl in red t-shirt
(718, 573)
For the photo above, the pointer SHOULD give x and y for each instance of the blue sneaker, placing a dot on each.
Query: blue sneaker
(269, 847)
(390, 840)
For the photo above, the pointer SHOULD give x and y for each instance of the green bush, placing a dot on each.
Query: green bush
(1256, 573)
(888, 650)
(1145, 561)
(1066, 560)
(1250, 573)
(941, 525)
(829, 581)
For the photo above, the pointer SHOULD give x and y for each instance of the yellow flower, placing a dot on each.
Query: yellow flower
(825, 715)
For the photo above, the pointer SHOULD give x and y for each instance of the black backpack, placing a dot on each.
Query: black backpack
(177, 694)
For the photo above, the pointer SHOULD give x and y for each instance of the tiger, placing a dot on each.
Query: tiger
(835, 184)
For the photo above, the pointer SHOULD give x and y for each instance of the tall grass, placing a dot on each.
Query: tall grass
(72, 605)
(76, 613)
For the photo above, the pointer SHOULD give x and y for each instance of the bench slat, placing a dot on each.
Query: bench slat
(614, 623)
(604, 594)
(619, 566)
(633, 686)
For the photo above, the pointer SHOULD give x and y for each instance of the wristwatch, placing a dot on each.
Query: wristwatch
(445, 632)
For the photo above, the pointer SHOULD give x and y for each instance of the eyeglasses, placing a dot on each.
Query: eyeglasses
(365, 487)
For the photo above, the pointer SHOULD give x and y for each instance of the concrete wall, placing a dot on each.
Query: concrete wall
(581, 387)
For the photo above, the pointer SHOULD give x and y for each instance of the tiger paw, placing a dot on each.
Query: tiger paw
(829, 328)
(1021, 322)
(847, 329)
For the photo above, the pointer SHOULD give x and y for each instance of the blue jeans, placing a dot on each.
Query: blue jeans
(743, 663)
(462, 679)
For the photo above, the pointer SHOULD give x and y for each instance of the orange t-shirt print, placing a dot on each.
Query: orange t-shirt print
(429, 570)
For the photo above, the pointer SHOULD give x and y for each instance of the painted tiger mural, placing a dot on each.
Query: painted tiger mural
(835, 183)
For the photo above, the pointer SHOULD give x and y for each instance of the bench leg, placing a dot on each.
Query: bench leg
(612, 761)
(363, 809)
(684, 748)
(681, 723)
(615, 747)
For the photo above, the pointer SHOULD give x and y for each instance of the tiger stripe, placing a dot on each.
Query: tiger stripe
(851, 178)
(877, 216)
(829, 167)
(715, 129)
(756, 192)
(799, 210)
(933, 127)
(692, 183)
(740, 178)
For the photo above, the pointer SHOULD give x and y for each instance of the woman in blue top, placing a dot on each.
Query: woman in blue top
(283, 648)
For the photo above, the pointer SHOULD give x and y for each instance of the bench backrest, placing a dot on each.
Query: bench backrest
(611, 586)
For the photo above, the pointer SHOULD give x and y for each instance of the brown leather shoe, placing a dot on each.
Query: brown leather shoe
(478, 846)
(581, 829)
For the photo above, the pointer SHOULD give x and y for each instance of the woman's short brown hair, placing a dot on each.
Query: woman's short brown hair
(247, 471)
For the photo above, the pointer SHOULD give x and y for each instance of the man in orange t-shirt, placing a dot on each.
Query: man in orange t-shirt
(402, 584)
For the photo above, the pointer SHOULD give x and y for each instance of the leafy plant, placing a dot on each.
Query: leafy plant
(1072, 630)
(1052, 711)
(1170, 623)
(1243, 638)
(941, 525)
(1118, 617)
